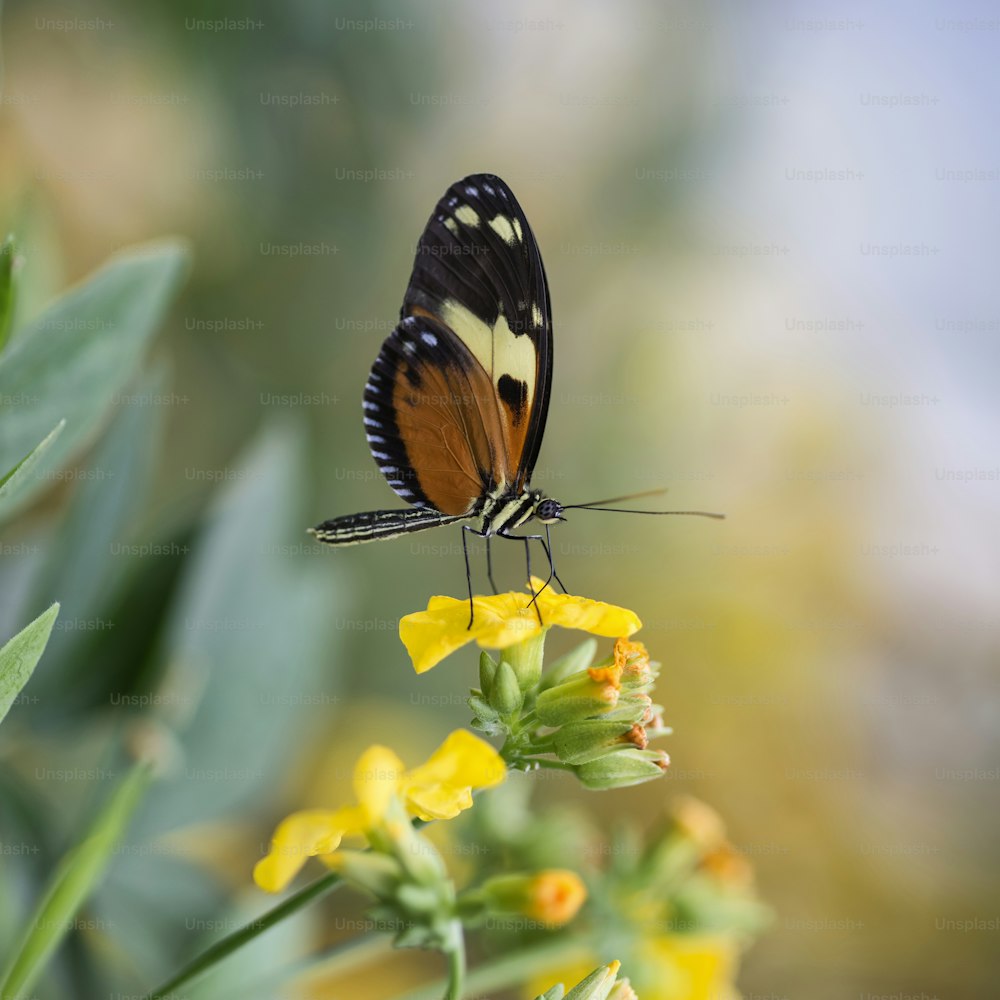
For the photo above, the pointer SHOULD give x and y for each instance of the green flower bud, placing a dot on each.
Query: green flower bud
(580, 742)
(526, 659)
(482, 710)
(626, 767)
(487, 670)
(622, 990)
(556, 993)
(598, 985)
(506, 696)
(576, 699)
(639, 675)
(633, 706)
(378, 874)
(572, 663)
(418, 900)
(601, 984)
(552, 897)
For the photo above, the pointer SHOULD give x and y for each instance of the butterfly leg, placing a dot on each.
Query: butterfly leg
(468, 571)
(547, 545)
(489, 566)
(528, 539)
(531, 586)
(468, 574)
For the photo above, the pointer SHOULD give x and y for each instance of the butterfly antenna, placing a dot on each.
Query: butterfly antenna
(603, 505)
(628, 496)
(626, 510)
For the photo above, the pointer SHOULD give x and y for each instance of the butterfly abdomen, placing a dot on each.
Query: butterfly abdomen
(379, 524)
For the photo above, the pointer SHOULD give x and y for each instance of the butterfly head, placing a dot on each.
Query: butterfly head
(547, 510)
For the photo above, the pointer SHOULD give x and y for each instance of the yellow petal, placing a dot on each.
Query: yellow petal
(595, 617)
(464, 759)
(437, 801)
(298, 837)
(441, 787)
(377, 777)
(503, 620)
(429, 636)
(696, 967)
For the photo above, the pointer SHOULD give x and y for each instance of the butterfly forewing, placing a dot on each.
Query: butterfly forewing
(479, 273)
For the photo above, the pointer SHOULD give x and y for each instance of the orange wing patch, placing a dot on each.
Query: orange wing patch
(448, 420)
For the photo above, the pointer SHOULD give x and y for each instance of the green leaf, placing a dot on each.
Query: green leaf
(90, 550)
(8, 257)
(71, 884)
(251, 639)
(20, 656)
(75, 359)
(19, 475)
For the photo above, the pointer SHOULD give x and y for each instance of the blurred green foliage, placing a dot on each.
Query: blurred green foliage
(208, 664)
(835, 705)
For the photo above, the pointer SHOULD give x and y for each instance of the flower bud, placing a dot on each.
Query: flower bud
(580, 742)
(633, 706)
(483, 711)
(377, 873)
(699, 822)
(598, 985)
(551, 897)
(556, 993)
(622, 990)
(506, 696)
(578, 698)
(526, 659)
(487, 670)
(730, 867)
(623, 768)
(573, 662)
(417, 855)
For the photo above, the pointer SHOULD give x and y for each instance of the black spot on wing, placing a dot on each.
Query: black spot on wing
(514, 393)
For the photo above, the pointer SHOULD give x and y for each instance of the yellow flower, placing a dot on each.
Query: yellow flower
(504, 620)
(556, 896)
(438, 789)
(687, 967)
(552, 897)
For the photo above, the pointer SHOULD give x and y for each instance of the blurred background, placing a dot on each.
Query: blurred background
(770, 236)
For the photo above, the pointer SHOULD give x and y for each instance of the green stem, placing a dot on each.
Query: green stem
(342, 959)
(527, 721)
(71, 885)
(456, 966)
(512, 969)
(552, 765)
(233, 942)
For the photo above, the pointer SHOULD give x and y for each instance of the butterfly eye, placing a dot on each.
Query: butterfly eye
(548, 511)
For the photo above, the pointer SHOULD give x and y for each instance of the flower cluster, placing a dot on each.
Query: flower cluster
(595, 719)
(675, 903)
(678, 909)
(399, 866)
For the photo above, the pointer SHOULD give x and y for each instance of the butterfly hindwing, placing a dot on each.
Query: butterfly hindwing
(479, 273)
(433, 422)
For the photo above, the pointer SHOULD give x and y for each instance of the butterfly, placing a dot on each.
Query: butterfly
(456, 401)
